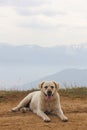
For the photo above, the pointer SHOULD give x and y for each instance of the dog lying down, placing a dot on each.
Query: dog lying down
(45, 101)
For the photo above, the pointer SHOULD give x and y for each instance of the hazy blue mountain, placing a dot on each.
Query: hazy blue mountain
(66, 78)
(32, 54)
(23, 64)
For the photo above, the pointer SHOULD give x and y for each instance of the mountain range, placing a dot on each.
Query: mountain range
(33, 54)
(26, 65)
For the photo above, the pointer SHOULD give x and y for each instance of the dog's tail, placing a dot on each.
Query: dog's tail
(24, 103)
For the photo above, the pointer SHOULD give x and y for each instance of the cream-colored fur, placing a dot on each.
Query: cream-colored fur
(44, 101)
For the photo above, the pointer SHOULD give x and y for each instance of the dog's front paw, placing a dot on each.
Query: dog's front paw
(47, 119)
(65, 119)
(15, 109)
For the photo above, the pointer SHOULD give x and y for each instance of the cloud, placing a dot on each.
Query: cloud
(40, 21)
(43, 21)
(40, 25)
(23, 3)
(39, 11)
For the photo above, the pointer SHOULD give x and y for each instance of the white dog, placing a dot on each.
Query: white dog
(44, 101)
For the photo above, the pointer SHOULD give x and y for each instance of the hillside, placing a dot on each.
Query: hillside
(66, 78)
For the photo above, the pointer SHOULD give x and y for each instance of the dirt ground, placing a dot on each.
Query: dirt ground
(74, 108)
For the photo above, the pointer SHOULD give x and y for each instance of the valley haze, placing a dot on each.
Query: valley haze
(22, 67)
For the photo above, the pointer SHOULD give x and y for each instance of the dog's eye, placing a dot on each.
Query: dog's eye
(52, 87)
(45, 87)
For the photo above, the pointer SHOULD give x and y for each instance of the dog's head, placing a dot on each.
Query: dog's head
(49, 88)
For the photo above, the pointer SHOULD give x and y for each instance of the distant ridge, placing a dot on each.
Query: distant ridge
(66, 78)
(34, 54)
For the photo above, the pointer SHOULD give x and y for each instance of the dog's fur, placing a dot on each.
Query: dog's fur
(44, 101)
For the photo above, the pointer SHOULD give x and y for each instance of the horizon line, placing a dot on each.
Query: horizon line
(44, 46)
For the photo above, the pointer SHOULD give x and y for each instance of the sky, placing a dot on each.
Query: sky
(43, 22)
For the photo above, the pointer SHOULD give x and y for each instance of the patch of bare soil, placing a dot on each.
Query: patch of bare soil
(74, 108)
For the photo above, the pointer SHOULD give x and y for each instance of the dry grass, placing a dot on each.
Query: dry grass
(74, 92)
(68, 92)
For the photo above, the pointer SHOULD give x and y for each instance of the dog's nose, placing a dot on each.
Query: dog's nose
(49, 93)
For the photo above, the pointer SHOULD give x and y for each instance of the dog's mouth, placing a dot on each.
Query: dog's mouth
(49, 95)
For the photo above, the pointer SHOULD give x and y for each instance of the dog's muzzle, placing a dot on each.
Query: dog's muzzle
(49, 93)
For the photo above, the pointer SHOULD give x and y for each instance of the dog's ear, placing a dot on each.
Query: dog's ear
(56, 85)
(41, 84)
